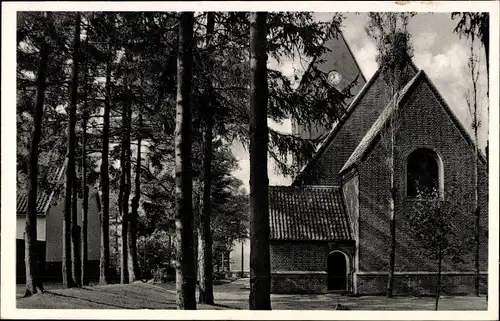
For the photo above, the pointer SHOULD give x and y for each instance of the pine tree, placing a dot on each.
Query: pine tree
(260, 273)
(186, 280)
(68, 241)
(85, 188)
(206, 294)
(75, 235)
(132, 231)
(75, 228)
(33, 279)
(104, 261)
(123, 199)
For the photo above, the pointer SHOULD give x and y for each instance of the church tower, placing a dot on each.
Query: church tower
(342, 69)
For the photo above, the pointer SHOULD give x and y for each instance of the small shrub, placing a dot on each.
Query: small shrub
(153, 257)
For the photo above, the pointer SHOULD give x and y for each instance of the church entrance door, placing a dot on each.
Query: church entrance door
(337, 271)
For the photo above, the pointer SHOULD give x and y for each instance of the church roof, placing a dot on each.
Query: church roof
(313, 213)
(369, 139)
(44, 197)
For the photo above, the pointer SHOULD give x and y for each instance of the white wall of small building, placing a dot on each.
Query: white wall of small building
(235, 256)
(40, 227)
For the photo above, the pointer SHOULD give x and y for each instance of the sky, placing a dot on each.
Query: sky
(437, 50)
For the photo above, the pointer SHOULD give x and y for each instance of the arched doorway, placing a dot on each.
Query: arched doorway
(337, 268)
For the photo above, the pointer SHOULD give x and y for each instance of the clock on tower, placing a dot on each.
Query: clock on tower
(334, 77)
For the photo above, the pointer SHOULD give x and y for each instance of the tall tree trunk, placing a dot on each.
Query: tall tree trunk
(473, 108)
(75, 228)
(438, 285)
(75, 235)
(477, 210)
(487, 52)
(196, 224)
(260, 273)
(242, 260)
(185, 277)
(124, 197)
(144, 274)
(169, 256)
(125, 178)
(392, 213)
(85, 188)
(104, 225)
(205, 265)
(133, 264)
(33, 278)
(116, 239)
(68, 241)
(486, 44)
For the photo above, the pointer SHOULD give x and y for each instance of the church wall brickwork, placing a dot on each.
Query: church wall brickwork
(305, 256)
(420, 284)
(325, 169)
(299, 283)
(298, 256)
(301, 267)
(423, 123)
(483, 203)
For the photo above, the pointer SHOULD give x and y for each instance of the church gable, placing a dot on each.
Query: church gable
(424, 123)
(324, 167)
(422, 116)
(378, 126)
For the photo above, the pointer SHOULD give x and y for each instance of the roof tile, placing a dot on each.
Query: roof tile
(43, 198)
(311, 213)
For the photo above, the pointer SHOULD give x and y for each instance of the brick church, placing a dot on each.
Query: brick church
(330, 230)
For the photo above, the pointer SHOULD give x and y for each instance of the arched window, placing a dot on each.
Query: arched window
(423, 174)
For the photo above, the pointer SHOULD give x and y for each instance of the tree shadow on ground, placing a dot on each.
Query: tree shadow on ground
(130, 294)
(87, 300)
(225, 306)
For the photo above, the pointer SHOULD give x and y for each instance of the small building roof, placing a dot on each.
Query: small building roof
(42, 203)
(312, 213)
(44, 197)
